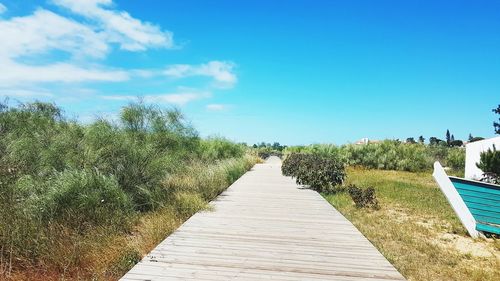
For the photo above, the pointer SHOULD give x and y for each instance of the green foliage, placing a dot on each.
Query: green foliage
(436, 141)
(208, 180)
(265, 150)
(363, 197)
(496, 124)
(489, 163)
(319, 172)
(83, 198)
(455, 159)
(389, 155)
(215, 148)
(473, 139)
(456, 143)
(60, 180)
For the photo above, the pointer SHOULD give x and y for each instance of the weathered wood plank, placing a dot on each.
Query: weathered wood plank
(265, 227)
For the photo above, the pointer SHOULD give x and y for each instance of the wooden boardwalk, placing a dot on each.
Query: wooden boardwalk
(265, 227)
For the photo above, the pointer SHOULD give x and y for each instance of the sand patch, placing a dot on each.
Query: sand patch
(483, 248)
(398, 215)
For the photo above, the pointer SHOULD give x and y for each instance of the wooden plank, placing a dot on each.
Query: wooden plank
(488, 228)
(265, 227)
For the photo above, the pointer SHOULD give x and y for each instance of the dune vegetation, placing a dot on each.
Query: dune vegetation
(390, 155)
(415, 228)
(86, 201)
(390, 196)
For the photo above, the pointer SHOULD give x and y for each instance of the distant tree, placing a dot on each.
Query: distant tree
(452, 139)
(436, 141)
(410, 140)
(277, 146)
(476, 139)
(457, 143)
(448, 137)
(496, 125)
(473, 139)
(421, 139)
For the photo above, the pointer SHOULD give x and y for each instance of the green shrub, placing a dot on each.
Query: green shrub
(267, 151)
(61, 180)
(291, 164)
(320, 173)
(363, 197)
(83, 199)
(389, 155)
(216, 148)
(489, 163)
(456, 159)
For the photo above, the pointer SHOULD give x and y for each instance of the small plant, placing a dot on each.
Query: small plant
(320, 173)
(489, 163)
(363, 197)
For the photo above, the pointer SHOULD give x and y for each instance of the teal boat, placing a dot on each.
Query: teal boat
(477, 204)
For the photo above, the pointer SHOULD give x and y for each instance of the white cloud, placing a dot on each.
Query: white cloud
(119, 26)
(17, 74)
(177, 99)
(71, 47)
(216, 107)
(35, 37)
(182, 97)
(45, 31)
(3, 9)
(222, 72)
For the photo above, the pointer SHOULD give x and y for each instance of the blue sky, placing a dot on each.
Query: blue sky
(292, 71)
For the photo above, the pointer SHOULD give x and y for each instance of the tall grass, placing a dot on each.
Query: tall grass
(65, 186)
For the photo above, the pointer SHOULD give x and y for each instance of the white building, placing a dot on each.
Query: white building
(472, 156)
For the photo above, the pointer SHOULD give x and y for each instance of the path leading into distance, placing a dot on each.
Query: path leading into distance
(265, 227)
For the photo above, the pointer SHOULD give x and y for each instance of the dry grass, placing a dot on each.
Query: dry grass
(416, 229)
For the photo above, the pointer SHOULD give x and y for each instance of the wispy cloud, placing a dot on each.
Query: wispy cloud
(3, 9)
(15, 74)
(26, 93)
(217, 107)
(119, 26)
(221, 71)
(181, 97)
(177, 98)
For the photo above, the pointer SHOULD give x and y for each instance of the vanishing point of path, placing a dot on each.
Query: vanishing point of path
(265, 227)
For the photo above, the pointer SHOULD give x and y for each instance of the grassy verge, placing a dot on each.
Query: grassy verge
(416, 229)
(103, 254)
